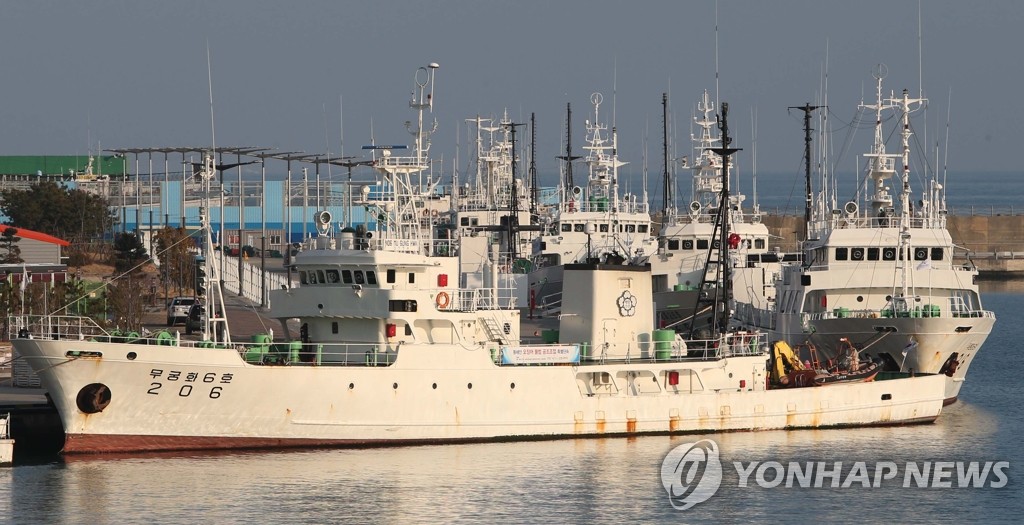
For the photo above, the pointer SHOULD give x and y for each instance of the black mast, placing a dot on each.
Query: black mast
(512, 221)
(568, 157)
(807, 108)
(534, 186)
(716, 293)
(666, 181)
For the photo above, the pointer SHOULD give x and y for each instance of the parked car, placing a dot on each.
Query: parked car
(196, 318)
(177, 309)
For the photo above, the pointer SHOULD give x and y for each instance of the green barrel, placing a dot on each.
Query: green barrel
(294, 348)
(663, 343)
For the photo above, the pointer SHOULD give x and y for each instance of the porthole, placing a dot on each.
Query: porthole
(394, 385)
(469, 386)
(860, 298)
(434, 386)
(93, 398)
(512, 386)
(351, 386)
(132, 355)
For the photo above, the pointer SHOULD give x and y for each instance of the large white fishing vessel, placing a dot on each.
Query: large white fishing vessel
(391, 350)
(882, 276)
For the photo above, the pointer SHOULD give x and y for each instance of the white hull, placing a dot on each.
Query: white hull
(930, 343)
(265, 406)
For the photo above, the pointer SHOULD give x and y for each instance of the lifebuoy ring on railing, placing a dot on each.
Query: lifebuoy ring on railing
(443, 300)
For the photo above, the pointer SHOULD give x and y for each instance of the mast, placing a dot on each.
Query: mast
(715, 293)
(666, 179)
(568, 157)
(807, 108)
(513, 205)
(534, 186)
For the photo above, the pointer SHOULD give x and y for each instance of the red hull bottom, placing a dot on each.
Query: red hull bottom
(121, 444)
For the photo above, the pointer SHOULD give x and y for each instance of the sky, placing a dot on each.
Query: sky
(292, 75)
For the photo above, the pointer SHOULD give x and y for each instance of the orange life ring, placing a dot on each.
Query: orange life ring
(443, 300)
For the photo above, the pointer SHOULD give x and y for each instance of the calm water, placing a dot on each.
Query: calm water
(596, 480)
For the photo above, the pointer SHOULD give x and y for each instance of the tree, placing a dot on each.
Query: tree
(128, 252)
(174, 249)
(52, 208)
(9, 242)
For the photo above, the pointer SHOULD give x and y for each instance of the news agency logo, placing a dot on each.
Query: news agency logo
(691, 473)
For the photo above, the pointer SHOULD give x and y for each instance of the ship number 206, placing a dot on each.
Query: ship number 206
(189, 379)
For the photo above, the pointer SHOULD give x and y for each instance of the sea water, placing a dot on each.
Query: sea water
(611, 480)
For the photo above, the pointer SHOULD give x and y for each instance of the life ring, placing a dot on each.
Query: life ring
(443, 300)
(434, 213)
(426, 213)
(734, 240)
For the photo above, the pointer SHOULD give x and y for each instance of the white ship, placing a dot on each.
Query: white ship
(883, 276)
(593, 223)
(687, 238)
(393, 351)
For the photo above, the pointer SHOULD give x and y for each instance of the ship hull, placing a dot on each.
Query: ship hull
(182, 398)
(930, 344)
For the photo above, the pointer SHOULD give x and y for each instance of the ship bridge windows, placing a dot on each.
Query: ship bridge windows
(873, 254)
(603, 228)
(687, 244)
(391, 276)
(579, 227)
(359, 277)
(889, 254)
(302, 278)
(842, 254)
(857, 254)
(760, 243)
(920, 254)
(566, 227)
(937, 254)
(631, 228)
(642, 228)
(371, 277)
(320, 277)
(702, 244)
(673, 244)
(346, 276)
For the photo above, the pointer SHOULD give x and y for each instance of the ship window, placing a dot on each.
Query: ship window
(702, 244)
(603, 228)
(921, 254)
(579, 227)
(412, 277)
(857, 254)
(474, 221)
(673, 244)
(889, 254)
(464, 221)
(566, 227)
(332, 276)
(872, 254)
(842, 254)
(642, 228)
(688, 244)
(371, 277)
(334, 327)
(302, 278)
(359, 276)
(631, 228)
(402, 306)
(391, 276)
(346, 276)
(320, 277)
(408, 329)
(937, 254)
(759, 243)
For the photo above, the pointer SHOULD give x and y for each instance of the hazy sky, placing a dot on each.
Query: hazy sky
(134, 73)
